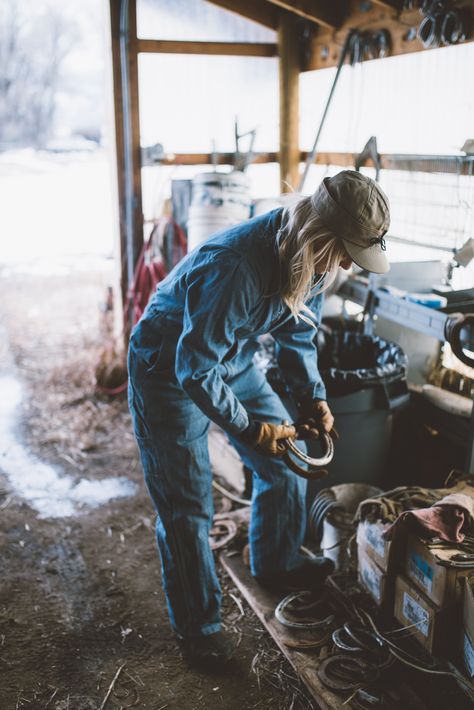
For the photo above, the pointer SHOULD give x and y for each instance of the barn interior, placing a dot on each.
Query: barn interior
(220, 112)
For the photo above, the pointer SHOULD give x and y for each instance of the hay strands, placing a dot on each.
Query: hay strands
(111, 686)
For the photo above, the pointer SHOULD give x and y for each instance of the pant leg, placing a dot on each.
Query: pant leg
(278, 520)
(172, 437)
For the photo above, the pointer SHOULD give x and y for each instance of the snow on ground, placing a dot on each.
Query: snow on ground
(56, 219)
(57, 211)
(50, 493)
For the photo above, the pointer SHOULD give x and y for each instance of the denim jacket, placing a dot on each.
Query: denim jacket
(200, 326)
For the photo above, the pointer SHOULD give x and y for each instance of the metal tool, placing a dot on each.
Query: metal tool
(222, 532)
(314, 470)
(343, 672)
(370, 150)
(242, 160)
(285, 621)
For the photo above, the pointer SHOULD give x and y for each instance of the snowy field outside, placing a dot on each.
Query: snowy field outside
(57, 211)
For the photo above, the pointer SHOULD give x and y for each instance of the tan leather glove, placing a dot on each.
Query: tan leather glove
(315, 416)
(268, 438)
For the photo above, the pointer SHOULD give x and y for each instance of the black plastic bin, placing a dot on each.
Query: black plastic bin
(365, 378)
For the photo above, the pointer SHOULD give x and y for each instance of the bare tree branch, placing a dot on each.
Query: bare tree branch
(32, 51)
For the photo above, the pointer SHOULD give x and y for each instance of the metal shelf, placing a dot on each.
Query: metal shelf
(429, 321)
(411, 315)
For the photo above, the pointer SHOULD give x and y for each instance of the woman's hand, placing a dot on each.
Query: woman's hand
(268, 439)
(315, 417)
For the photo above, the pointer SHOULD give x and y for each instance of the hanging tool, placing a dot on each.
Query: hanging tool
(369, 151)
(368, 45)
(443, 24)
(243, 160)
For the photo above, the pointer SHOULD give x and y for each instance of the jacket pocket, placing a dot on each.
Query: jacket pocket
(163, 359)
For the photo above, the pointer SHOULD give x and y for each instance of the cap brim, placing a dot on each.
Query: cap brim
(371, 259)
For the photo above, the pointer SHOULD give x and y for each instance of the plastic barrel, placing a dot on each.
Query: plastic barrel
(363, 402)
(331, 519)
(219, 200)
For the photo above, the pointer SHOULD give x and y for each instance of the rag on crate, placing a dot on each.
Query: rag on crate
(450, 519)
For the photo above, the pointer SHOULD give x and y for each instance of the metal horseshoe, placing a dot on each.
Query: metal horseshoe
(314, 470)
(285, 621)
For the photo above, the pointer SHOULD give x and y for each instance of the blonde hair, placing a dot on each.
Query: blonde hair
(303, 243)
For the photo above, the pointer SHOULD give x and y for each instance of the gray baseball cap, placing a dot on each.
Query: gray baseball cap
(354, 207)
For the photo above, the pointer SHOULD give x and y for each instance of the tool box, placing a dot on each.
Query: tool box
(431, 626)
(370, 541)
(374, 580)
(427, 566)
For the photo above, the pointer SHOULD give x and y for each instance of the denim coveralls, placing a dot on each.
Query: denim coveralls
(190, 361)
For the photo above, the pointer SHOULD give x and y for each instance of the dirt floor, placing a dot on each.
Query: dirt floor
(80, 596)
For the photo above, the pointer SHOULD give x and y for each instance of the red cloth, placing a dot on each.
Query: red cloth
(445, 520)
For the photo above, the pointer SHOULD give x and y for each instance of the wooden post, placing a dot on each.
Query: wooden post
(289, 51)
(127, 138)
(137, 207)
(120, 281)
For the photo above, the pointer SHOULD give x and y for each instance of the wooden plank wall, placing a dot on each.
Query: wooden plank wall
(326, 43)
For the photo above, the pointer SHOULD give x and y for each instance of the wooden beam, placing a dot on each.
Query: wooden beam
(207, 159)
(137, 207)
(289, 70)
(322, 13)
(241, 49)
(127, 136)
(120, 249)
(326, 44)
(262, 12)
(456, 164)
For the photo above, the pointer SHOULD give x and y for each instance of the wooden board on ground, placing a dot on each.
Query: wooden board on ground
(263, 604)
(305, 664)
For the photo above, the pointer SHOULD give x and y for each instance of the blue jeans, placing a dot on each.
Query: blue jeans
(171, 432)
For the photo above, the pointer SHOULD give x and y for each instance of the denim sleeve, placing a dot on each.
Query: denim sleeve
(221, 291)
(297, 354)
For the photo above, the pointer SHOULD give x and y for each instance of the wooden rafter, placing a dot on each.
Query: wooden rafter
(456, 164)
(245, 49)
(262, 12)
(207, 159)
(385, 15)
(328, 14)
(289, 70)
